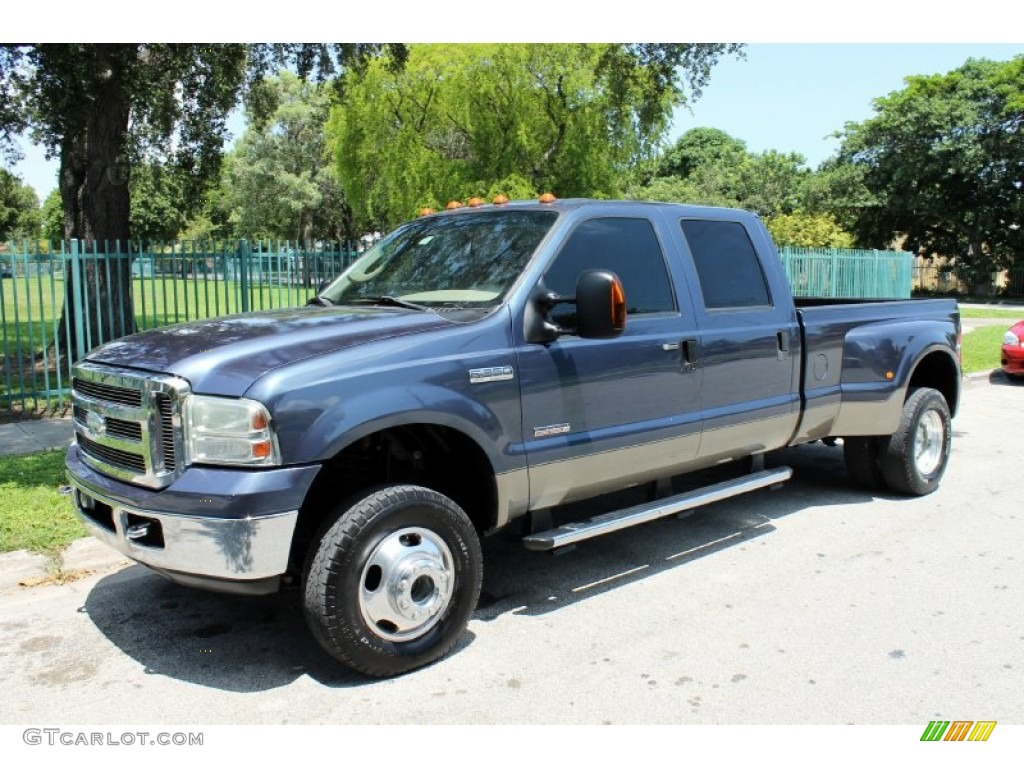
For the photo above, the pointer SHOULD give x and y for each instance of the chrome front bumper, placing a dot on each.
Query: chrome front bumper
(232, 555)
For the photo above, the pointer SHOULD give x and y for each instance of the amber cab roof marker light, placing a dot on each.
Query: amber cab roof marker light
(499, 200)
(453, 205)
(547, 197)
(426, 211)
(475, 202)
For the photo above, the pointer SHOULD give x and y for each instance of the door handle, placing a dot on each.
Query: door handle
(782, 340)
(690, 354)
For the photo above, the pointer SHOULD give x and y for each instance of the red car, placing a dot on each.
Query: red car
(1013, 351)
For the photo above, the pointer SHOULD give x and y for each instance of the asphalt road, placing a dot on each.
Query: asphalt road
(815, 604)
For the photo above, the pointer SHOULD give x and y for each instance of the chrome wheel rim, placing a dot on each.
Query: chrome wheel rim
(406, 584)
(929, 442)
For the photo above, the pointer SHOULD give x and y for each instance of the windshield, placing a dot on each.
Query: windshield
(466, 260)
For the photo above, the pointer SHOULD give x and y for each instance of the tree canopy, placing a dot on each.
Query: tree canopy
(279, 180)
(461, 120)
(19, 208)
(943, 162)
(707, 166)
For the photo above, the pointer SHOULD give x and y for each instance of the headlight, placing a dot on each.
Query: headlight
(221, 430)
(1010, 339)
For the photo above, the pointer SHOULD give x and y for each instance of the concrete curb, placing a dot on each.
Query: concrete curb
(22, 569)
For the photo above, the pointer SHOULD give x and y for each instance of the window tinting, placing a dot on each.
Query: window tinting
(730, 272)
(627, 247)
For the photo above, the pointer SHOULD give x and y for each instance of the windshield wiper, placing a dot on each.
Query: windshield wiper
(319, 301)
(389, 301)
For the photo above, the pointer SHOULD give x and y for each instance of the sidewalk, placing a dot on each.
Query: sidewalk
(33, 436)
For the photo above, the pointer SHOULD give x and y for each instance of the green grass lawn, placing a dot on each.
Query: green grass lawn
(981, 348)
(1008, 314)
(34, 514)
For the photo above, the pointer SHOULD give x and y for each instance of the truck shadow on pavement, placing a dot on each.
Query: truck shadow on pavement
(248, 644)
(228, 642)
(532, 584)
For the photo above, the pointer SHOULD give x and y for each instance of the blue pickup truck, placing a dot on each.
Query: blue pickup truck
(473, 372)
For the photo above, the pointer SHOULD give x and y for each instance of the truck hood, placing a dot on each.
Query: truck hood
(226, 355)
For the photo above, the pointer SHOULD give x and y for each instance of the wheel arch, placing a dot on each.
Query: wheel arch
(430, 454)
(937, 369)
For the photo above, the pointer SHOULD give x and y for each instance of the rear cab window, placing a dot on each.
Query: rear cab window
(728, 268)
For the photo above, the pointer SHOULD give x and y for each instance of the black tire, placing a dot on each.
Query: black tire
(393, 580)
(914, 458)
(861, 456)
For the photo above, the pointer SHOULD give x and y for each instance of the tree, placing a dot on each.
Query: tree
(707, 166)
(279, 180)
(105, 108)
(808, 230)
(53, 217)
(943, 160)
(703, 148)
(19, 208)
(459, 119)
(837, 189)
(159, 205)
(772, 183)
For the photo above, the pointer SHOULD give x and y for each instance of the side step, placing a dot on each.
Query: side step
(572, 533)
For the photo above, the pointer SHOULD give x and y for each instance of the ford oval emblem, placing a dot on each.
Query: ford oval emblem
(96, 423)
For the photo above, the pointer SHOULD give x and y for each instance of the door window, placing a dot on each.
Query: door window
(627, 247)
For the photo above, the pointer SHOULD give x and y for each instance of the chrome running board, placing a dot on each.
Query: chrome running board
(571, 533)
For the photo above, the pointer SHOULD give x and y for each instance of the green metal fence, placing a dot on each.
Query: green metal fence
(848, 274)
(43, 313)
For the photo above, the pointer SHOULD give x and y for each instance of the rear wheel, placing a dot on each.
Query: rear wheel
(393, 580)
(914, 458)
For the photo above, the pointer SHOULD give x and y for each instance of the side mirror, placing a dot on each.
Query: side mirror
(600, 309)
(600, 305)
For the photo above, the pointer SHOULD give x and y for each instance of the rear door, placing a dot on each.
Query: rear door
(748, 340)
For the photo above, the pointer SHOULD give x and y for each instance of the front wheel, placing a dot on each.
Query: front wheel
(393, 580)
(914, 458)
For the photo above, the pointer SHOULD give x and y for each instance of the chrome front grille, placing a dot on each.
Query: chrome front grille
(128, 424)
(112, 456)
(166, 411)
(107, 393)
(126, 430)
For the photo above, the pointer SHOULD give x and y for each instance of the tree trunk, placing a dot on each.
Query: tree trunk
(94, 191)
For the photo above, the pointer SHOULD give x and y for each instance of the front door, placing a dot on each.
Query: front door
(602, 413)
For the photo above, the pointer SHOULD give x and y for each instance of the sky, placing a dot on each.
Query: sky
(793, 97)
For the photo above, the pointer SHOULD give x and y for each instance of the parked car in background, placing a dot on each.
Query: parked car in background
(5, 271)
(1012, 357)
